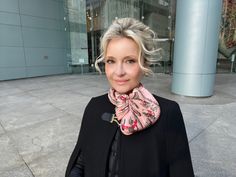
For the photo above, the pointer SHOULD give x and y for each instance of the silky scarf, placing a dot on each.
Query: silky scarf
(135, 111)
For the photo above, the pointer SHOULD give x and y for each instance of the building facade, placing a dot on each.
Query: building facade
(32, 38)
(46, 37)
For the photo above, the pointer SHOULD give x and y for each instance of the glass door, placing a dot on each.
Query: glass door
(227, 39)
(158, 14)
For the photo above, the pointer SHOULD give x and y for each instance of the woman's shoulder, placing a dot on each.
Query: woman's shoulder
(101, 98)
(166, 104)
(101, 101)
(164, 101)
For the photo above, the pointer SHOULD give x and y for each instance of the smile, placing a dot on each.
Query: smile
(121, 82)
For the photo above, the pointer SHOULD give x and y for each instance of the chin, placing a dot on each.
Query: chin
(122, 90)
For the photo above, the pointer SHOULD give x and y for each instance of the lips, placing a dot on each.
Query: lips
(121, 82)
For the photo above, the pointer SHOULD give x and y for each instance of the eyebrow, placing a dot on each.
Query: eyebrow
(126, 57)
(110, 57)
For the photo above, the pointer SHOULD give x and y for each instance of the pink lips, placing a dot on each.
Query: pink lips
(121, 82)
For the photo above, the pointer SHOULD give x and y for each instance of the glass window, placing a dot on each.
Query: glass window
(158, 14)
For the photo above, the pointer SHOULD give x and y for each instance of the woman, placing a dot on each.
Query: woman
(129, 132)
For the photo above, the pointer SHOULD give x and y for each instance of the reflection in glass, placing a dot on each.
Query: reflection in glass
(158, 14)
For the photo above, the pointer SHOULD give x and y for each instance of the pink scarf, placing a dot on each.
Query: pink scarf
(135, 111)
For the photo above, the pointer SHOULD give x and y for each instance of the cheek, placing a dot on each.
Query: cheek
(108, 70)
(137, 73)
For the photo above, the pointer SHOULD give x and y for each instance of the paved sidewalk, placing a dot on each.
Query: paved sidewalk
(40, 120)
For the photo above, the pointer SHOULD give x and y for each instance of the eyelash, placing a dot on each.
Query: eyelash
(109, 61)
(128, 61)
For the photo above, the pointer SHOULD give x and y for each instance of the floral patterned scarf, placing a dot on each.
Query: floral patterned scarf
(135, 111)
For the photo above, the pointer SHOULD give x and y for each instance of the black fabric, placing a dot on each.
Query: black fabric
(78, 169)
(159, 151)
(113, 162)
(113, 166)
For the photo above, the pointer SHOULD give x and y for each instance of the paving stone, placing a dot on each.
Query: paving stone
(192, 130)
(46, 137)
(197, 114)
(21, 171)
(76, 108)
(215, 149)
(1, 130)
(227, 88)
(68, 101)
(9, 157)
(28, 84)
(213, 155)
(59, 96)
(92, 92)
(6, 89)
(16, 99)
(41, 119)
(54, 164)
(22, 113)
(224, 125)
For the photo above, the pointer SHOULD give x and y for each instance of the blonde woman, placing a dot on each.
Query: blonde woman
(130, 132)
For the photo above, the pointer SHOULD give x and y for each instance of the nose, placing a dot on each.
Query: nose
(120, 70)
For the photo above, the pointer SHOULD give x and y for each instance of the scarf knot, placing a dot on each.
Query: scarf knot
(135, 111)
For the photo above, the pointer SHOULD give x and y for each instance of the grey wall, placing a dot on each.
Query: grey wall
(32, 38)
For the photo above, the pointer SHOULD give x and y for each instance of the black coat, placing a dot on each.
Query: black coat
(161, 150)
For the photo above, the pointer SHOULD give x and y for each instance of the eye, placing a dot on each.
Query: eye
(110, 61)
(130, 61)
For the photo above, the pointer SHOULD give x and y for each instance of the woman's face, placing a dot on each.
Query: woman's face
(121, 64)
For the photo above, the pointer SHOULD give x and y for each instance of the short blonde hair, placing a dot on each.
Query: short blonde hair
(141, 34)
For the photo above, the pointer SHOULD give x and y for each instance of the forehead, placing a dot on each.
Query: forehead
(123, 45)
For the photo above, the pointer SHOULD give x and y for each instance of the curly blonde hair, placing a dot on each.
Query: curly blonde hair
(141, 34)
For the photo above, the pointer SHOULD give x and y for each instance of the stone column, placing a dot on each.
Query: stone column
(195, 48)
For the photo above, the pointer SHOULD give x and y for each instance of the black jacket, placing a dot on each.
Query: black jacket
(159, 151)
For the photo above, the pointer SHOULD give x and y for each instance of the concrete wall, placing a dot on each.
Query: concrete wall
(32, 38)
